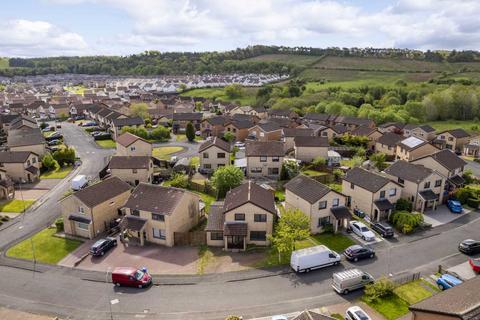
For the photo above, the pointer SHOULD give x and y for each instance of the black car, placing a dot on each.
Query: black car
(100, 247)
(359, 213)
(469, 246)
(54, 136)
(383, 229)
(357, 252)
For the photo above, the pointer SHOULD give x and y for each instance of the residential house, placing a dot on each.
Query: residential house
(214, 153)
(420, 185)
(129, 144)
(393, 127)
(321, 204)
(132, 169)
(472, 148)
(265, 131)
(289, 134)
(21, 166)
(308, 148)
(264, 159)
(371, 193)
(7, 187)
(331, 132)
(424, 132)
(448, 164)
(239, 128)
(352, 123)
(387, 144)
(213, 126)
(155, 213)
(461, 302)
(413, 148)
(180, 120)
(118, 123)
(371, 133)
(453, 140)
(26, 140)
(89, 212)
(246, 217)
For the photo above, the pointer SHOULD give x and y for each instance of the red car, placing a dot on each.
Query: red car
(475, 264)
(131, 277)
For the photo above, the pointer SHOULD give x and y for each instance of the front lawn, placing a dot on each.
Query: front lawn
(106, 144)
(415, 291)
(391, 307)
(165, 153)
(16, 205)
(58, 173)
(336, 187)
(183, 138)
(272, 259)
(48, 248)
(280, 195)
(313, 173)
(337, 242)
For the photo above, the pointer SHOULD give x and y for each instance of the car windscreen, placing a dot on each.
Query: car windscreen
(364, 229)
(139, 275)
(361, 315)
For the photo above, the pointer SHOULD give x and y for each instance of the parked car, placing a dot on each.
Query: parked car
(351, 279)
(102, 136)
(89, 124)
(78, 182)
(359, 213)
(455, 206)
(101, 247)
(131, 277)
(362, 231)
(55, 142)
(475, 264)
(469, 246)
(357, 252)
(383, 229)
(54, 136)
(59, 126)
(46, 129)
(279, 317)
(307, 259)
(198, 133)
(79, 118)
(239, 144)
(356, 313)
(447, 281)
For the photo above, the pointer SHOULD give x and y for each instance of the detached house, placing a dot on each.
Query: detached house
(118, 123)
(387, 143)
(308, 148)
(20, 166)
(180, 120)
(289, 134)
(239, 128)
(264, 159)
(371, 133)
(424, 132)
(213, 126)
(413, 148)
(26, 140)
(422, 186)
(88, 213)
(453, 140)
(246, 217)
(132, 169)
(370, 192)
(321, 204)
(214, 153)
(266, 131)
(131, 145)
(155, 213)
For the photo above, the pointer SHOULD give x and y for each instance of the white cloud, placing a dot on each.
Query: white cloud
(38, 38)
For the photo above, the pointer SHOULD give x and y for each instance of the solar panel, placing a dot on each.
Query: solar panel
(412, 142)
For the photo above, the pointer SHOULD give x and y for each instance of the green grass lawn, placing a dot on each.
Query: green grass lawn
(392, 307)
(182, 138)
(313, 173)
(280, 195)
(415, 291)
(337, 242)
(4, 63)
(272, 258)
(208, 199)
(195, 161)
(470, 126)
(106, 144)
(247, 97)
(48, 248)
(164, 153)
(336, 187)
(16, 205)
(76, 89)
(58, 173)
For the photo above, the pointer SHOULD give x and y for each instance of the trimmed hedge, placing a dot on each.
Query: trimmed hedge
(406, 222)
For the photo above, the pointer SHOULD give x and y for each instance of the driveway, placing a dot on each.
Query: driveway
(442, 216)
(34, 191)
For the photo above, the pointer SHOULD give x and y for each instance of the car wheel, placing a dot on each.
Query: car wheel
(307, 270)
(117, 284)
(441, 287)
(140, 286)
(115, 243)
(346, 291)
(355, 259)
(336, 263)
(102, 253)
(364, 238)
(372, 255)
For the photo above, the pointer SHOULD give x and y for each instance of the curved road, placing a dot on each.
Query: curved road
(63, 292)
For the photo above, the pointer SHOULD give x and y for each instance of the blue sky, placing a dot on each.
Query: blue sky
(121, 27)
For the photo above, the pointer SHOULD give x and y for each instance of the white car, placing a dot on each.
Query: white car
(239, 144)
(362, 231)
(356, 313)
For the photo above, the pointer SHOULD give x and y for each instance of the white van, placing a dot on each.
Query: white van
(78, 182)
(345, 281)
(311, 258)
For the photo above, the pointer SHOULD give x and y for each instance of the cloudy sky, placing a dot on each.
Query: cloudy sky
(121, 27)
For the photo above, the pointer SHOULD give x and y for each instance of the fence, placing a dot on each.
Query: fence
(190, 238)
(406, 278)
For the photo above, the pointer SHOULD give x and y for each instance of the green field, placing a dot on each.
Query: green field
(4, 63)
(47, 247)
(247, 98)
(470, 126)
(294, 59)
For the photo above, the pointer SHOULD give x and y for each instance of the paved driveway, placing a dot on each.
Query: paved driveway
(442, 216)
(34, 191)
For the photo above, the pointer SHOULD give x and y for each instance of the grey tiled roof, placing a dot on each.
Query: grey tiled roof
(102, 191)
(408, 171)
(250, 192)
(307, 188)
(367, 180)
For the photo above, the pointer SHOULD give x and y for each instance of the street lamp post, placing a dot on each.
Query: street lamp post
(22, 181)
(107, 295)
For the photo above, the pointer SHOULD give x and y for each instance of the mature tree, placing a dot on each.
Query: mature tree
(160, 133)
(290, 169)
(65, 156)
(48, 162)
(378, 160)
(141, 132)
(292, 226)
(234, 90)
(43, 125)
(227, 178)
(190, 132)
(228, 136)
(139, 110)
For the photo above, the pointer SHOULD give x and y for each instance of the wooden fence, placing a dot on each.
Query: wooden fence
(406, 278)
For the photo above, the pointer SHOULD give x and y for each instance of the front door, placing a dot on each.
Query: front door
(235, 242)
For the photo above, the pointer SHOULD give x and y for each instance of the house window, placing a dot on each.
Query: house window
(239, 217)
(83, 226)
(132, 148)
(352, 186)
(159, 233)
(216, 235)
(275, 159)
(205, 155)
(322, 222)
(158, 217)
(258, 235)
(28, 163)
(392, 192)
(34, 160)
(134, 171)
(80, 209)
(256, 170)
(259, 217)
(324, 134)
(438, 183)
(207, 166)
(335, 202)
(135, 213)
(221, 155)
(273, 171)
(322, 205)
(426, 185)
(401, 181)
(382, 194)
(263, 159)
(234, 130)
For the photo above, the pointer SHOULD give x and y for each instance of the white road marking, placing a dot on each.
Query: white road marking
(114, 301)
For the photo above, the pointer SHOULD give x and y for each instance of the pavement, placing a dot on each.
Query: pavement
(442, 215)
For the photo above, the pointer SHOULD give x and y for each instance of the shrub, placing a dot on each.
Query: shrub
(160, 133)
(338, 174)
(5, 218)
(179, 181)
(59, 225)
(406, 222)
(48, 162)
(328, 228)
(319, 162)
(233, 318)
(190, 132)
(404, 205)
(381, 288)
(473, 202)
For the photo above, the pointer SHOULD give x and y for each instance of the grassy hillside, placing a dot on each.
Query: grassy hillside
(247, 98)
(3, 63)
(297, 60)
